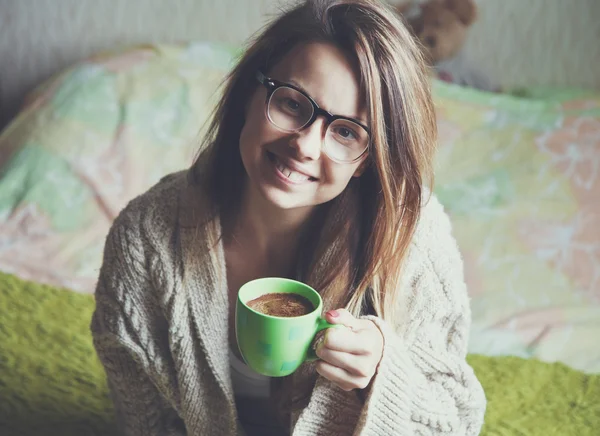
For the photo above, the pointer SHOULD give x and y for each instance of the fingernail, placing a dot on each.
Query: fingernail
(333, 313)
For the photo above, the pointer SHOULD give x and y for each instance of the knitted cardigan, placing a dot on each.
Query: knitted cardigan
(160, 329)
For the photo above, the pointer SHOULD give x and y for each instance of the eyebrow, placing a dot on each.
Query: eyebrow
(303, 89)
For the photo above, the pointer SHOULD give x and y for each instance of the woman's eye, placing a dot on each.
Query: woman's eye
(292, 104)
(346, 133)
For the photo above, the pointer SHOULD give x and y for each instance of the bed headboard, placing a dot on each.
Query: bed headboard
(538, 42)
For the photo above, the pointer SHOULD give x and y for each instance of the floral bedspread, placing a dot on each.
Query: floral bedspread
(519, 176)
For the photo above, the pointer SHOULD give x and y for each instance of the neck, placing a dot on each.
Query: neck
(268, 232)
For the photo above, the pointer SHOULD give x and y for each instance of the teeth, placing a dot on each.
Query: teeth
(292, 175)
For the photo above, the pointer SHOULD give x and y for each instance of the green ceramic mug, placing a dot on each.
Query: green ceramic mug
(276, 346)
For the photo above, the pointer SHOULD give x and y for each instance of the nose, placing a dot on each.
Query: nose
(308, 142)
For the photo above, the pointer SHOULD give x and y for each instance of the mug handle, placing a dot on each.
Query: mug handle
(323, 324)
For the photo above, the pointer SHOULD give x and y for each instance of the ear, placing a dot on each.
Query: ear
(465, 10)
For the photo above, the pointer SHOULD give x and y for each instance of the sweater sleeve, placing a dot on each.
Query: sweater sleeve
(117, 330)
(424, 385)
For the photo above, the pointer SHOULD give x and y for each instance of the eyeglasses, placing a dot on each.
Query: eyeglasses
(290, 109)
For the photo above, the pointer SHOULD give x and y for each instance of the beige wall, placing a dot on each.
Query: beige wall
(517, 42)
(40, 37)
(538, 42)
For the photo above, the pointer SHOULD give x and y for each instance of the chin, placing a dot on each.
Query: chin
(285, 200)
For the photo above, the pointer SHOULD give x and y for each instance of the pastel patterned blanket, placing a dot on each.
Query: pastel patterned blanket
(520, 177)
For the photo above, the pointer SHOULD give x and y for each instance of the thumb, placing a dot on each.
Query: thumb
(341, 316)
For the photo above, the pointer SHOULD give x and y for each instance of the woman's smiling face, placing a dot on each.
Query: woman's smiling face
(290, 169)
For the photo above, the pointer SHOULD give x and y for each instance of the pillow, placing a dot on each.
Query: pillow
(90, 140)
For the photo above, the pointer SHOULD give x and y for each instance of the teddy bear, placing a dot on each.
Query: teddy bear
(442, 27)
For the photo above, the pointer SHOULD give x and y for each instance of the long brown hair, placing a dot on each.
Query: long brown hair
(360, 238)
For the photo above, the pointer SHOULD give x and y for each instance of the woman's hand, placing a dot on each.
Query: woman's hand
(349, 356)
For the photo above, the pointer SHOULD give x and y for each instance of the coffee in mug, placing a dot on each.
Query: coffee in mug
(282, 304)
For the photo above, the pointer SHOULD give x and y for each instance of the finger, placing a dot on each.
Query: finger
(343, 339)
(343, 317)
(360, 366)
(341, 377)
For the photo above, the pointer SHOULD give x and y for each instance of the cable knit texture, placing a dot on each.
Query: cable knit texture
(161, 331)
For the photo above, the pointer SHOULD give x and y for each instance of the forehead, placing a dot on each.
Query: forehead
(327, 74)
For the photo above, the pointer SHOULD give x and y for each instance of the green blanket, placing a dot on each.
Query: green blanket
(51, 382)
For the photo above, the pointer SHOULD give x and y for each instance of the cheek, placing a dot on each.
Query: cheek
(337, 176)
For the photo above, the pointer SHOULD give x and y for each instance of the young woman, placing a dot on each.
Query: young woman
(317, 167)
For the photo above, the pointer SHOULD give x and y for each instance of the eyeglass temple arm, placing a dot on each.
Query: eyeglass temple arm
(261, 77)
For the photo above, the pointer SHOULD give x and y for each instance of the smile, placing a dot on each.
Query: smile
(288, 173)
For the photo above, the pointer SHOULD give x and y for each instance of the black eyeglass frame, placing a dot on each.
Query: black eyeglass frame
(272, 85)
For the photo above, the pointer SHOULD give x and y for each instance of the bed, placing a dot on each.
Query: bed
(518, 174)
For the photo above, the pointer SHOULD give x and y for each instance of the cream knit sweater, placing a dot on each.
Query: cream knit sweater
(161, 331)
